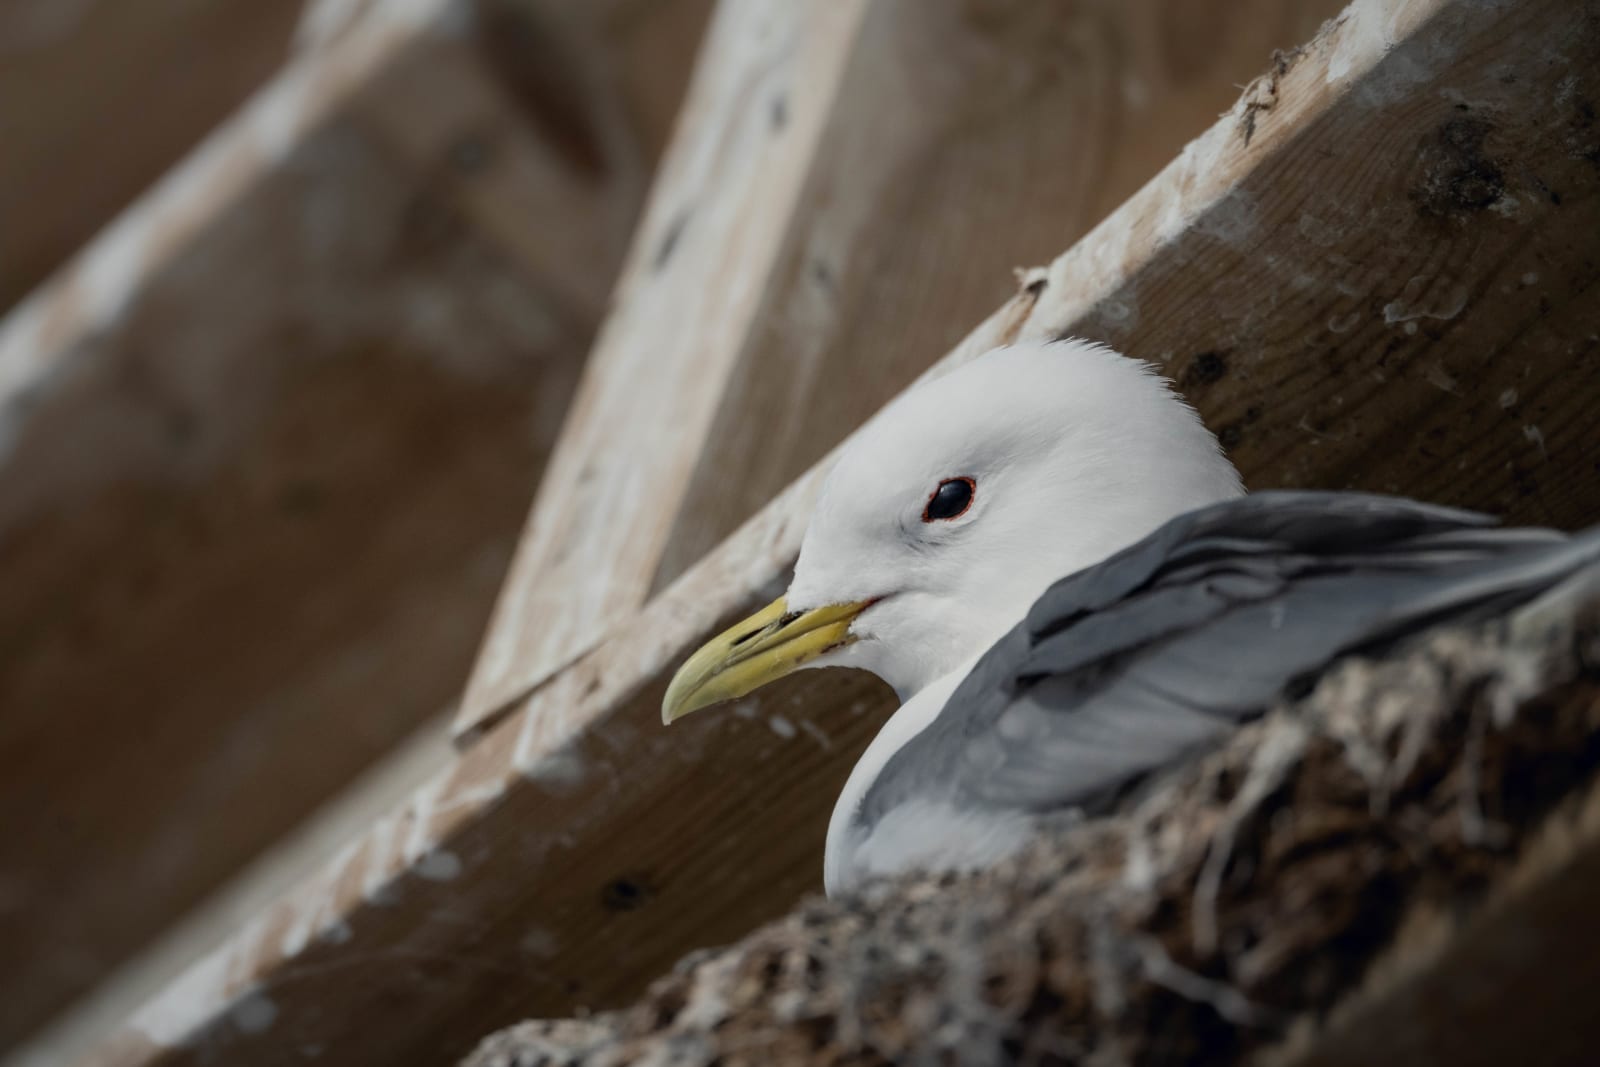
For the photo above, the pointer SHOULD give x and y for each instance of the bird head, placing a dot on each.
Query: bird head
(958, 504)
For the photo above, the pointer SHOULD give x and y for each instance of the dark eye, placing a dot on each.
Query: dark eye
(950, 500)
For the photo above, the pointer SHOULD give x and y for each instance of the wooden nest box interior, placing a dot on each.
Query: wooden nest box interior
(393, 392)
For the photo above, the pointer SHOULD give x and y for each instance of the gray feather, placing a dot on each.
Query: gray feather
(1131, 664)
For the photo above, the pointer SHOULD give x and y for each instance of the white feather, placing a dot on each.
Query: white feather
(1076, 452)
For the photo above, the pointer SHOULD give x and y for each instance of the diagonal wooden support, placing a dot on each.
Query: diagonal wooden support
(848, 190)
(579, 848)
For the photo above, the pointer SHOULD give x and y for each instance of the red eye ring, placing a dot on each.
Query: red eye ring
(945, 507)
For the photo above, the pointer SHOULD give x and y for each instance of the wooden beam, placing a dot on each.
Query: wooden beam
(264, 449)
(848, 193)
(578, 848)
(97, 100)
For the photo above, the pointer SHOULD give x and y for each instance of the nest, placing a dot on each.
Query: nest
(1243, 905)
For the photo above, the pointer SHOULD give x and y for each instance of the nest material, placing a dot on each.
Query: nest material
(1224, 912)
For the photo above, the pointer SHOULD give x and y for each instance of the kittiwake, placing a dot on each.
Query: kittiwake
(1051, 560)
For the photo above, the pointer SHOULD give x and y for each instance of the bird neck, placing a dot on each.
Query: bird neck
(909, 720)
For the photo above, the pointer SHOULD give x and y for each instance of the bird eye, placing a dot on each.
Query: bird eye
(950, 500)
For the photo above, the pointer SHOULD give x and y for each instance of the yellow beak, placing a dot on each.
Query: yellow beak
(763, 648)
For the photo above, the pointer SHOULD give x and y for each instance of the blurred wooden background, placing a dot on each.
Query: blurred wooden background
(268, 443)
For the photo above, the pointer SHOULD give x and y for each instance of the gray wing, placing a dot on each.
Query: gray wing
(1130, 664)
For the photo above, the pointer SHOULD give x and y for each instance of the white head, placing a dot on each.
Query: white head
(1068, 452)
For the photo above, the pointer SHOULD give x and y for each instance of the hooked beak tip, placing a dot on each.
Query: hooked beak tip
(772, 643)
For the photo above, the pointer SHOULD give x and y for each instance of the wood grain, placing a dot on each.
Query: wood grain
(264, 450)
(578, 847)
(828, 233)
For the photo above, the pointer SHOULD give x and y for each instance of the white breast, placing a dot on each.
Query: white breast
(923, 833)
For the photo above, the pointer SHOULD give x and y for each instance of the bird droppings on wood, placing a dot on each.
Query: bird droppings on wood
(1459, 178)
(1535, 436)
(1220, 913)
(1346, 322)
(439, 865)
(1425, 297)
(1440, 378)
(561, 772)
(817, 734)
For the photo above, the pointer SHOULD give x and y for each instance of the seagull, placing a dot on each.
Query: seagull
(1050, 559)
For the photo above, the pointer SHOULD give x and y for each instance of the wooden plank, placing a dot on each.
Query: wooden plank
(694, 283)
(150, 77)
(578, 848)
(266, 447)
(850, 224)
